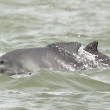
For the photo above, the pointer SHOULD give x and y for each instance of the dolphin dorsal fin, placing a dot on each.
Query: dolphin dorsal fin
(91, 46)
(71, 47)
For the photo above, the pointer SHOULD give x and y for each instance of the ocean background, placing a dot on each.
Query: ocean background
(37, 23)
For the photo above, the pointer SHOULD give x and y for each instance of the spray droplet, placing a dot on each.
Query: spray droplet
(78, 35)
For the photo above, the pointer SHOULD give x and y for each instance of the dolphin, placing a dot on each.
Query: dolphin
(56, 56)
(101, 58)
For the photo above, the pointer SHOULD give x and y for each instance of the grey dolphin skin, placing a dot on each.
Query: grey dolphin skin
(56, 56)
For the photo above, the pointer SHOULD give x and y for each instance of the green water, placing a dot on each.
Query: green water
(33, 23)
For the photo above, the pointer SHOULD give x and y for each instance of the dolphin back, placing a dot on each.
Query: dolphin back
(71, 47)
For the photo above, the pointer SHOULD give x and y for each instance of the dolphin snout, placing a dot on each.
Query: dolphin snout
(3, 69)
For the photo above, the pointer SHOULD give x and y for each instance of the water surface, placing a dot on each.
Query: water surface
(33, 23)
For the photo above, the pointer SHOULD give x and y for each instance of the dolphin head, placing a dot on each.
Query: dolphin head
(6, 66)
(10, 64)
(17, 61)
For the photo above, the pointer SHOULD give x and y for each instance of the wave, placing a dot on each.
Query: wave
(76, 81)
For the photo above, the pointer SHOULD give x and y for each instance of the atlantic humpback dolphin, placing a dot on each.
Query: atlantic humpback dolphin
(57, 56)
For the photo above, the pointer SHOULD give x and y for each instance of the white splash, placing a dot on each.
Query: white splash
(86, 54)
(87, 58)
(67, 66)
(1, 54)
